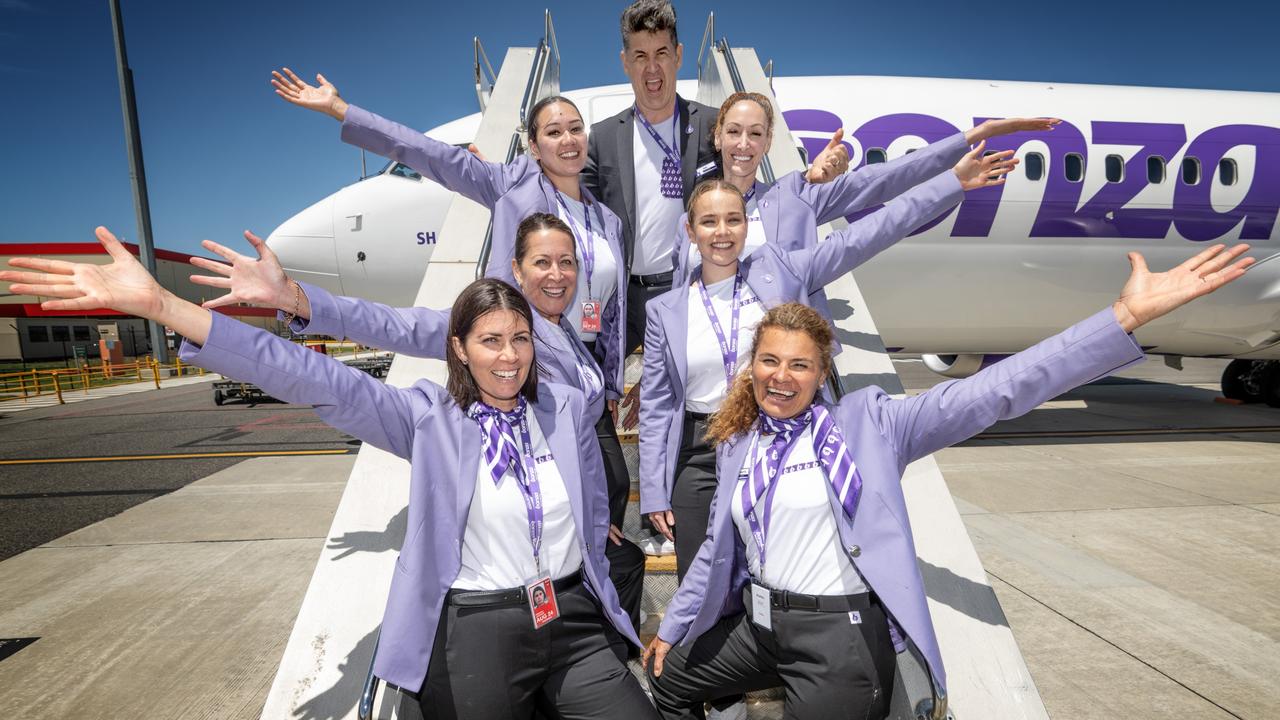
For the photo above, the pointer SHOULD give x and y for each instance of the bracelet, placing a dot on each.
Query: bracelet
(289, 317)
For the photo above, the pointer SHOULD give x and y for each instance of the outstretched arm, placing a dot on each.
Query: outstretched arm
(455, 168)
(872, 185)
(415, 331)
(1096, 347)
(846, 249)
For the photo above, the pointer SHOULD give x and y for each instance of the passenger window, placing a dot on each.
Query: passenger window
(1074, 167)
(1190, 171)
(1035, 166)
(38, 334)
(61, 333)
(876, 155)
(910, 150)
(81, 333)
(1114, 168)
(405, 171)
(1155, 169)
(1227, 171)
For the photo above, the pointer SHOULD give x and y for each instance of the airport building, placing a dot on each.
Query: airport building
(29, 333)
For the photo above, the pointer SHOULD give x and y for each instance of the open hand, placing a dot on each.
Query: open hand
(663, 521)
(257, 282)
(632, 402)
(1007, 126)
(976, 170)
(322, 97)
(831, 163)
(122, 285)
(1147, 295)
(657, 649)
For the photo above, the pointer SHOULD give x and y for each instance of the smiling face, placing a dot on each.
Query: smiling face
(650, 62)
(786, 371)
(718, 227)
(547, 272)
(498, 352)
(743, 139)
(559, 141)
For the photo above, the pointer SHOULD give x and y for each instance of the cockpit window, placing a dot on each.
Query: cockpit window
(404, 171)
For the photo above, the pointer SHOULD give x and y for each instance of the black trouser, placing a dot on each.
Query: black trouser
(829, 666)
(694, 487)
(490, 663)
(638, 294)
(626, 561)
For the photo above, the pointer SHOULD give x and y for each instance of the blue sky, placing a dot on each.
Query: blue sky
(224, 154)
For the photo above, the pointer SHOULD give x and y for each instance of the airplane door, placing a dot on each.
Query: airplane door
(385, 228)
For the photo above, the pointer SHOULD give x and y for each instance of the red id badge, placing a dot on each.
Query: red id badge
(542, 601)
(591, 316)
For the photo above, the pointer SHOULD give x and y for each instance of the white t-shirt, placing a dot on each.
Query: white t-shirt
(496, 550)
(604, 274)
(754, 232)
(655, 215)
(706, 385)
(804, 552)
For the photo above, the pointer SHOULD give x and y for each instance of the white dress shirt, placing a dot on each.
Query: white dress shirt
(604, 275)
(706, 385)
(655, 215)
(803, 549)
(496, 550)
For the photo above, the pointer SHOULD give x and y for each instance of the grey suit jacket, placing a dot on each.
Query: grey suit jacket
(610, 173)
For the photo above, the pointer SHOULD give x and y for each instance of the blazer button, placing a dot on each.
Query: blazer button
(855, 551)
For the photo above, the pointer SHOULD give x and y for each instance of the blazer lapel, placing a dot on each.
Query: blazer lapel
(469, 467)
(627, 168)
(556, 343)
(551, 414)
(770, 214)
(678, 335)
(688, 145)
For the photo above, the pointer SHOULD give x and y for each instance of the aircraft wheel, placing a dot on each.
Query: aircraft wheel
(1240, 381)
(1268, 382)
(218, 398)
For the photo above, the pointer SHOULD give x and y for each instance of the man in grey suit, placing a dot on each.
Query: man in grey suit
(645, 160)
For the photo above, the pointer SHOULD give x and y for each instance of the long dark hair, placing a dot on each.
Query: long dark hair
(477, 299)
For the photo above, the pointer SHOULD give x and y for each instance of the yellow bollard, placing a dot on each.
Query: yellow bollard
(155, 372)
(177, 365)
(57, 388)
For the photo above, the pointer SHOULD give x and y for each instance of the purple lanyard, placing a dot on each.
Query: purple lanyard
(584, 240)
(675, 132)
(761, 484)
(729, 347)
(532, 492)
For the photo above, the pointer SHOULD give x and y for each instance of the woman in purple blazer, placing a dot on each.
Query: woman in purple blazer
(788, 212)
(545, 268)
(693, 331)
(503, 496)
(546, 180)
(808, 576)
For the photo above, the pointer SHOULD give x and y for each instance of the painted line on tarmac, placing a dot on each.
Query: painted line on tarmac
(1122, 432)
(176, 456)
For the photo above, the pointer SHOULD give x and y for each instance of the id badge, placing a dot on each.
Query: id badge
(542, 601)
(761, 607)
(591, 316)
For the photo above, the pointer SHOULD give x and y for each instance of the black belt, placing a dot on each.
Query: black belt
(696, 416)
(787, 600)
(507, 596)
(654, 280)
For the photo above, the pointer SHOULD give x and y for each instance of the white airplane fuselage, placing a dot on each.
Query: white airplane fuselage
(1006, 268)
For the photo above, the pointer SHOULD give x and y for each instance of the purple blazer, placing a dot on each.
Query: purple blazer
(776, 277)
(426, 427)
(513, 192)
(792, 208)
(423, 332)
(885, 434)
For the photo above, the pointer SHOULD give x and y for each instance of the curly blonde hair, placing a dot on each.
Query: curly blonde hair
(739, 411)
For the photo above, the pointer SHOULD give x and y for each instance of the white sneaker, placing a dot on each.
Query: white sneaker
(657, 546)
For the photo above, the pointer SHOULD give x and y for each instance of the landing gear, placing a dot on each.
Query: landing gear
(1252, 381)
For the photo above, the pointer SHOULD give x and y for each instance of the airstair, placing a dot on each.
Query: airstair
(325, 672)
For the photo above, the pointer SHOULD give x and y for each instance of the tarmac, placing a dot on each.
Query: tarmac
(1131, 530)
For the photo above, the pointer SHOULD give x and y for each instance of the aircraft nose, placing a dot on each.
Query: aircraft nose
(305, 245)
